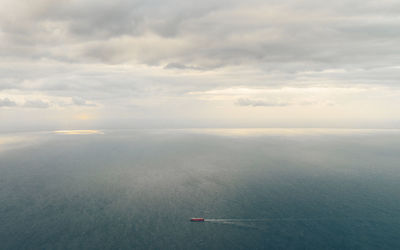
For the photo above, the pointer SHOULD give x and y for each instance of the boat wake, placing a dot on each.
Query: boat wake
(299, 219)
(260, 224)
(242, 223)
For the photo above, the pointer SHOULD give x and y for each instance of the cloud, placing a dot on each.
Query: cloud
(260, 103)
(5, 102)
(182, 67)
(82, 102)
(36, 104)
(271, 35)
(144, 58)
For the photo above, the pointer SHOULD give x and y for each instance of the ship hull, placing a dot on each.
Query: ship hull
(197, 219)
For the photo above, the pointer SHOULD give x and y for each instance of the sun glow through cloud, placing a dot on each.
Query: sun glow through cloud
(79, 132)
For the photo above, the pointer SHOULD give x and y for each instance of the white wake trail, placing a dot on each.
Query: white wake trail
(227, 220)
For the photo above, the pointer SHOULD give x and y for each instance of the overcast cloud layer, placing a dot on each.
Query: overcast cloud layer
(72, 64)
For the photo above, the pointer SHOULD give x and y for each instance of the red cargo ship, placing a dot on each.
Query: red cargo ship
(197, 219)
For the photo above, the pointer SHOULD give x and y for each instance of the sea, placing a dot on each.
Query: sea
(255, 188)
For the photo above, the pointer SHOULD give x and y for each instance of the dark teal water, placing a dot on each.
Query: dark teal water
(138, 190)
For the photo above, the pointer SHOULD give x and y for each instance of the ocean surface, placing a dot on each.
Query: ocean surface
(256, 188)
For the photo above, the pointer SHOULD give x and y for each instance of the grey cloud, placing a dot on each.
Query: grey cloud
(82, 102)
(182, 67)
(36, 104)
(107, 19)
(260, 103)
(5, 102)
(218, 34)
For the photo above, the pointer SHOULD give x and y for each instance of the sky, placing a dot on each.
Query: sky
(88, 64)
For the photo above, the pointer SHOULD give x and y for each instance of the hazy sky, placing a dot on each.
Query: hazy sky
(126, 63)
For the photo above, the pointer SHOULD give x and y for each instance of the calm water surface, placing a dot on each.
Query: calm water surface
(259, 189)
